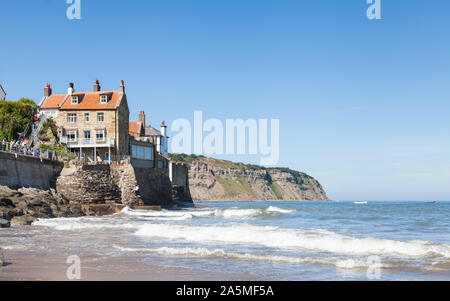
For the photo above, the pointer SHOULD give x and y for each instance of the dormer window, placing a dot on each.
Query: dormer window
(74, 100)
(103, 99)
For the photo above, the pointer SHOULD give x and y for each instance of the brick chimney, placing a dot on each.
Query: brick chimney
(47, 90)
(97, 87)
(142, 118)
(122, 87)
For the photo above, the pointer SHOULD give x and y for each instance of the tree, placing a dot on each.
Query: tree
(16, 117)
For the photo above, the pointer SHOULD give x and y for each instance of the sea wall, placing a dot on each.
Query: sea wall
(180, 182)
(100, 184)
(17, 171)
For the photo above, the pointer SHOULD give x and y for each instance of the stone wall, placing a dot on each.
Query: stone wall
(28, 172)
(154, 185)
(180, 182)
(99, 184)
(89, 184)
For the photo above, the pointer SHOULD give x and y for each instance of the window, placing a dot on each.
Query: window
(99, 135)
(71, 118)
(87, 137)
(100, 117)
(142, 152)
(160, 164)
(74, 100)
(71, 136)
(103, 99)
(86, 117)
(148, 153)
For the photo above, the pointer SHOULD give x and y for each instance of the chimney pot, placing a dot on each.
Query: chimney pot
(122, 87)
(163, 129)
(71, 90)
(142, 118)
(97, 87)
(47, 90)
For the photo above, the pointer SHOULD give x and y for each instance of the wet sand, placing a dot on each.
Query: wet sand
(22, 265)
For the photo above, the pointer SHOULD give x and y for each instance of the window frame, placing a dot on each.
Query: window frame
(103, 99)
(74, 133)
(75, 100)
(70, 119)
(98, 117)
(103, 132)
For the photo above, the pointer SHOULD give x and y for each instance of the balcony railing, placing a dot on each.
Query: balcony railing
(88, 142)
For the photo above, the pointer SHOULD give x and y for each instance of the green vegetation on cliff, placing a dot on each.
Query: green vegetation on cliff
(233, 187)
(276, 191)
(188, 159)
(16, 117)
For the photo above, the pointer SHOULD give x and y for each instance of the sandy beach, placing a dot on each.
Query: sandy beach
(21, 265)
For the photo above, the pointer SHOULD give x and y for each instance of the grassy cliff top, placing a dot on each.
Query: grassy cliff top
(188, 159)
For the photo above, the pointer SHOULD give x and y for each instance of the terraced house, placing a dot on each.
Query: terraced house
(93, 125)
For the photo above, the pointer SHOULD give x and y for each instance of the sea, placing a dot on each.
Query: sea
(264, 240)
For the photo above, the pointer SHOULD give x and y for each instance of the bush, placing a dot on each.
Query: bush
(16, 117)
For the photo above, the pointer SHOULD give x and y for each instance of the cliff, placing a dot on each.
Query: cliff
(212, 179)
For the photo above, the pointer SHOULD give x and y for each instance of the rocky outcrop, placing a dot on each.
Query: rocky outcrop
(24, 205)
(211, 179)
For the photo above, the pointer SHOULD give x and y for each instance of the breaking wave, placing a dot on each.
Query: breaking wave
(230, 213)
(81, 223)
(311, 240)
(203, 252)
(280, 210)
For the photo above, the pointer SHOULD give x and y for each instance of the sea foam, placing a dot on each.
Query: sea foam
(303, 239)
(220, 253)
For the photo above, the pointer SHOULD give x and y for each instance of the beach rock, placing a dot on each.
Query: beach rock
(102, 209)
(4, 223)
(24, 220)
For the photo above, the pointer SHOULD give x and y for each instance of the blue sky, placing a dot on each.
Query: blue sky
(363, 105)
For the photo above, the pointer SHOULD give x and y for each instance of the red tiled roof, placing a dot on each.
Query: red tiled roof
(53, 101)
(134, 128)
(91, 101)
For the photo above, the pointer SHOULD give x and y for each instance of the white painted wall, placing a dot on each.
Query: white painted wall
(50, 113)
(2, 93)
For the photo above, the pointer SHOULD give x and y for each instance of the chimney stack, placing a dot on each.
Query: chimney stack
(97, 87)
(122, 87)
(71, 90)
(142, 118)
(47, 90)
(163, 129)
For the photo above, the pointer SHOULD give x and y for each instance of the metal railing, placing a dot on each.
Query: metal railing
(88, 142)
(21, 149)
(37, 130)
(84, 160)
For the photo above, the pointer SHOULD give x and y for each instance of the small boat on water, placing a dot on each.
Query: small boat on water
(430, 202)
(360, 203)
